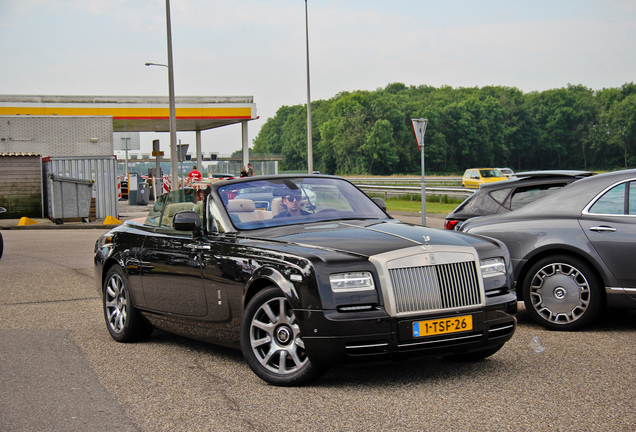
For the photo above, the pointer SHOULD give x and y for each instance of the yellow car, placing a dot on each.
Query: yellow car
(475, 177)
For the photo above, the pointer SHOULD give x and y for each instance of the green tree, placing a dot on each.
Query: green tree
(379, 149)
(345, 133)
(369, 132)
(623, 129)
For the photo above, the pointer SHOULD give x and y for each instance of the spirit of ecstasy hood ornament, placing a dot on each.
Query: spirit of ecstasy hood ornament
(426, 246)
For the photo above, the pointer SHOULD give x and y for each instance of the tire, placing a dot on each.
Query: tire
(272, 343)
(562, 293)
(124, 322)
(1, 245)
(475, 356)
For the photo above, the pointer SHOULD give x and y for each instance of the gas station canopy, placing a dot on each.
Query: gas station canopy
(139, 113)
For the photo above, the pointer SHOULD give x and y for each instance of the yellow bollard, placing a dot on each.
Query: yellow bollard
(26, 221)
(111, 221)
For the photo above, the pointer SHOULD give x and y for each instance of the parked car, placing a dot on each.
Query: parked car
(508, 195)
(508, 172)
(225, 176)
(475, 177)
(342, 283)
(572, 251)
(2, 210)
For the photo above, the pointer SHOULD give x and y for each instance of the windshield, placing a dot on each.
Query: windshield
(491, 173)
(288, 201)
(165, 206)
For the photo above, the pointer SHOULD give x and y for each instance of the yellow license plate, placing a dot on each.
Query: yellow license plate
(442, 326)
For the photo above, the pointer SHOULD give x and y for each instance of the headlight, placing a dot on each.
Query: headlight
(353, 281)
(493, 267)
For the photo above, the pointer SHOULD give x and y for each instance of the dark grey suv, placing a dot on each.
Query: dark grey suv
(504, 196)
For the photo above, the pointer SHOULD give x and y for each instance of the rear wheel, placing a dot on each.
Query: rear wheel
(272, 343)
(562, 293)
(124, 322)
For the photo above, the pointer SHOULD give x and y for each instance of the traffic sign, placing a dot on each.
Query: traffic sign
(419, 129)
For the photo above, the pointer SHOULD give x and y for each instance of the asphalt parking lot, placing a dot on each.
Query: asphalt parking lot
(61, 371)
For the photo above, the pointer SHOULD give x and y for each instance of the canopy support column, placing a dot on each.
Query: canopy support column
(199, 155)
(246, 150)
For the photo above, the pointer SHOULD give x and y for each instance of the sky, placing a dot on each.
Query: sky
(258, 48)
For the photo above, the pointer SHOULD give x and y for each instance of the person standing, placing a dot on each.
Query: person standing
(243, 172)
(250, 170)
(194, 175)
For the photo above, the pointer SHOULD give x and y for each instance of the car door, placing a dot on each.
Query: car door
(226, 269)
(469, 179)
(475, 179)
(173, 282)
(610, 225)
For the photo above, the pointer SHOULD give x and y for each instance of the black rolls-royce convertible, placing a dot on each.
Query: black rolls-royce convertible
(320, 274)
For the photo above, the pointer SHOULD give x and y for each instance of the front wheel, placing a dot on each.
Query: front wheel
(124, 322)
(562, 293)
(272, 343)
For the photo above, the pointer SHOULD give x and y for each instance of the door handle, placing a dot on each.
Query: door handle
(602, 229)
(198, 246)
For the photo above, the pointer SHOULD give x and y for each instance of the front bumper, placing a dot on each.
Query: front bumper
(332, 337)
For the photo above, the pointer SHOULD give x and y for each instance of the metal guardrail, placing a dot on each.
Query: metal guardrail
(415, 190)
(413, 186)
(438, 181)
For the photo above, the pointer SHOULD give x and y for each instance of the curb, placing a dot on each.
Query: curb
(436, 221)
(53, 226)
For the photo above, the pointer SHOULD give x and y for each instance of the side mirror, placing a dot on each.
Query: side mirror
(380, 203)
(187, 220)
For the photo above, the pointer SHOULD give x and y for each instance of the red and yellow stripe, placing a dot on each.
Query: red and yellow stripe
(135, 113)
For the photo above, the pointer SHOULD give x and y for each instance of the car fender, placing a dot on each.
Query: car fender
(525, 251)
(583, 251)
(133, 269)
(105, 257)
(265, 276)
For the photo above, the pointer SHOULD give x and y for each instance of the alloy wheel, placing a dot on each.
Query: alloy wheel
(116, 303)
(275, 338)
(560, 293)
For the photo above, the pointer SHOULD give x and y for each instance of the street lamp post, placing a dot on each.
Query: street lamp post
(174, 166)
(310, 153)
(173, 117)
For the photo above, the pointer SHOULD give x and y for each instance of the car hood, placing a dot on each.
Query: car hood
(367, 238)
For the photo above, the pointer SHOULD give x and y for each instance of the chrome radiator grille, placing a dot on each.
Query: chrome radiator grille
(435, 287)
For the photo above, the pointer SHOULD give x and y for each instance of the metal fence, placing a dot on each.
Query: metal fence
(234, 168)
